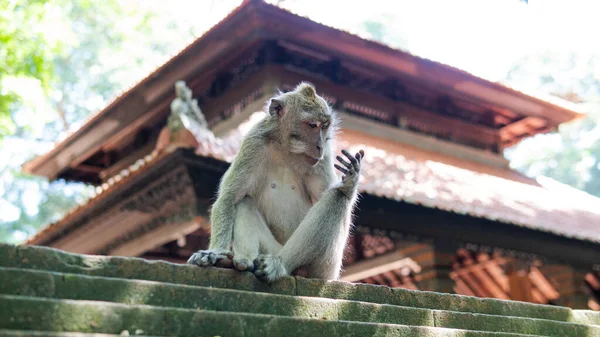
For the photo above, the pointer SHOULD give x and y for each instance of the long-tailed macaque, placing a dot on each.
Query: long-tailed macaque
(280, 207)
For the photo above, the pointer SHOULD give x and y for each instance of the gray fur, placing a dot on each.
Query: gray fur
(280, 206)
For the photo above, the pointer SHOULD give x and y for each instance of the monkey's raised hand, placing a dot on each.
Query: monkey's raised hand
(351, 171)
(213, 257)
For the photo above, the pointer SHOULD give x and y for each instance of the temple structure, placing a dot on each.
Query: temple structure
(440, 210)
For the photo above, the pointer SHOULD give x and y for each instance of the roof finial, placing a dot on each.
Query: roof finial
(186, 125)
(185, 110)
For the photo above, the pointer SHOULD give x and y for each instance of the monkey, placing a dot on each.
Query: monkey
(280, 207)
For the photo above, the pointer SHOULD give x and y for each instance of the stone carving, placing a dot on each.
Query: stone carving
(153, 199)
(185, 113)
(185, 213)
(185, 108)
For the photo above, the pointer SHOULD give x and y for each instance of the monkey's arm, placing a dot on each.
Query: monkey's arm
(235, 184)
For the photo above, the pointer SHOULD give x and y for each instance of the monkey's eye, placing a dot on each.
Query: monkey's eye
(325, 126)
(312, 125)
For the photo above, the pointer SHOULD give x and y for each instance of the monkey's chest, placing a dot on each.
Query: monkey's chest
(283, 203)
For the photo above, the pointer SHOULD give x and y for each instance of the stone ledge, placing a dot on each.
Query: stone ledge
(54, 285)
(20, 313)
(43, 258)
(36, 283)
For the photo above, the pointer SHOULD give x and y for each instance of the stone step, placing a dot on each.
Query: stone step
(23, 313)
(23, 282)
(43, 258)
(33, 333)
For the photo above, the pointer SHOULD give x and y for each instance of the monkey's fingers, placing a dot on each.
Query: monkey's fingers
(225, 262)
(345, 163)
(341, 169)
(360, 155)
(350, 157)
(259, 268)
(243, 265)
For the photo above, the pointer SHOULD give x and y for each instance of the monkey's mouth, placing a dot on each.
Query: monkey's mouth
(311, 161)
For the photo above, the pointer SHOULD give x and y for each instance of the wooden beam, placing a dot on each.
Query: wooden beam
(479, 266)
(421, 141)
(223, 127)
(378, 265)
(491, 285)
(462, 288)
(521, 127)
(538, 296)
(264, 79)
(594, 304)
(88, 168)
(593, 281)
(520, 286)
(542, 283)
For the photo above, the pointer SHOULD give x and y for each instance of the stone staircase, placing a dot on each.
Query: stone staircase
(47, 292)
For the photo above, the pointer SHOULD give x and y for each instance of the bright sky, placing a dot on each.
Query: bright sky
(482, 37)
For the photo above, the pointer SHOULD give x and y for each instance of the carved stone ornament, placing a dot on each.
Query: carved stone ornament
(185, 113)
(171, 188)
(184, 213)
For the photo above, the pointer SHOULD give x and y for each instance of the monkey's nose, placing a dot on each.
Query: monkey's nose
(318, 148)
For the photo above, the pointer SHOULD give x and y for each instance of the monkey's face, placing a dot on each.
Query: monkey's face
(309, 138)
(305, 121)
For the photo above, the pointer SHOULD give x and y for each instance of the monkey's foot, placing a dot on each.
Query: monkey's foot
(213, 257)
(242, 264)
(268, 268)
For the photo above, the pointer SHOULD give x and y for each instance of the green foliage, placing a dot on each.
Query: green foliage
(26, 53)
(573, 155)
(105, 47)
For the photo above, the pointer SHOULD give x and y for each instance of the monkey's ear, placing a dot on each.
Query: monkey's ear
(307, 90)
(276, 108)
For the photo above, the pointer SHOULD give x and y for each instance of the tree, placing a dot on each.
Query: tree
(24, 55)
(106, 47)
(571, 156)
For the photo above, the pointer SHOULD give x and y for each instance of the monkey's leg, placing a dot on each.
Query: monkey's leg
(251, 235)
(320, 238)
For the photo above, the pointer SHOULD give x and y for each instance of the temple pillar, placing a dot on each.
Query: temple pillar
(519, 282)
(436, 262)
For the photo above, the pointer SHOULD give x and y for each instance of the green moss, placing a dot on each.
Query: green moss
(585, 317)
(79, 287)
(468, 321)
(52, 315)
